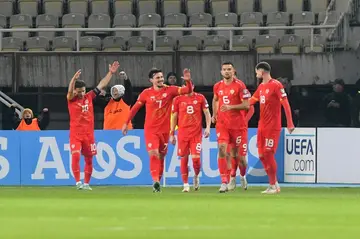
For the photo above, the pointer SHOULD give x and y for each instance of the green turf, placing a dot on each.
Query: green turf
(129, 212)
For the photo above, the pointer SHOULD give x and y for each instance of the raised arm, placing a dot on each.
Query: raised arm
(188, 88)
(105, 81)
(15, 118)
(70, 94)
(44, 119)
(128, 91)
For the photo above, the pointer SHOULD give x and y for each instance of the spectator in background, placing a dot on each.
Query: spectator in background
(356, 106)
(116, 105)
(294, 101)
(28, 122)
(337, 106)
(171, 79)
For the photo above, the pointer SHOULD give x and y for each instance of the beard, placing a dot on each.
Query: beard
(259, 80)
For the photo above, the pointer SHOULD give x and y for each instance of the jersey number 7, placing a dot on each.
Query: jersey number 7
(159, 102)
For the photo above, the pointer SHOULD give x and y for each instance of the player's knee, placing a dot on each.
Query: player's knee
(222, 151)
(242, 160)
(195, 156)
(154, 153)
(88, 160)
(268, 154)
(75, 152)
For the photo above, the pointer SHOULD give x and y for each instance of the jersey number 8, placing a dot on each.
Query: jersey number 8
(262, 99)
(190, 109)
(198, 147)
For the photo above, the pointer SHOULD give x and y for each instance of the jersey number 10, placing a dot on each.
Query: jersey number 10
(85, 108)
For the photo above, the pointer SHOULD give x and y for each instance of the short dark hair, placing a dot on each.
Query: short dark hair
(227, 63)
(263, 65)
(153, 72)
(79, 84)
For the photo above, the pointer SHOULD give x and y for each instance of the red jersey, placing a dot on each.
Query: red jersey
(270, 95)
(189, 109)
(81, 113)
(231, 94)
(158, 107)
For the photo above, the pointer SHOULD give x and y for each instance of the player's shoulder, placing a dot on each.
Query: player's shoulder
(199, 95)
(240, 83)
(218, 84)
(275, 83)
(147, 90)
(177, 98)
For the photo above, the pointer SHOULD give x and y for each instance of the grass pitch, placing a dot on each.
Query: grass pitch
(133, 212)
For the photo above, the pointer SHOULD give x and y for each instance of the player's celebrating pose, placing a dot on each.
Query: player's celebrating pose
(187, 114)
(158, 100)
(81, 113)
(271, 96)
(230, 96)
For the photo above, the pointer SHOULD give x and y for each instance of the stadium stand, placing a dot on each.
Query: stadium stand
(185, 14)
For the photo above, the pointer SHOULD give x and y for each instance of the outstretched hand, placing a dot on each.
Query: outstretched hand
(186, 74)
(77, 74)
(114, 67)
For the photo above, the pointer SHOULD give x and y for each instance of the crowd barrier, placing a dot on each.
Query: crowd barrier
(308, 155)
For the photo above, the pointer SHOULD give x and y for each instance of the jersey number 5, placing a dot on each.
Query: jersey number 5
(226, 100)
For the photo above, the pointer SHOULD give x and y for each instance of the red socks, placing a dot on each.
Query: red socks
(75, 166)
(184, 169)
(154, 167)
(242, 168)
(270, 166)
(161, 168)
(223, 169)
(234, 166)
(88, 169)
(196, 165)
(270, 158)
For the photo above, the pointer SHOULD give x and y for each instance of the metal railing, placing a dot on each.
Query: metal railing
(339, 34)
(8, 102)
(156, 29)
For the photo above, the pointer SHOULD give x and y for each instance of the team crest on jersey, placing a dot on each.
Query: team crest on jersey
(183, 103)
(267, 91)
(164, 95)
(73, 146)
(221, 92)
(86, 102)
(195, 102)
(232, 91)
(152, 98)
(149, 145)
